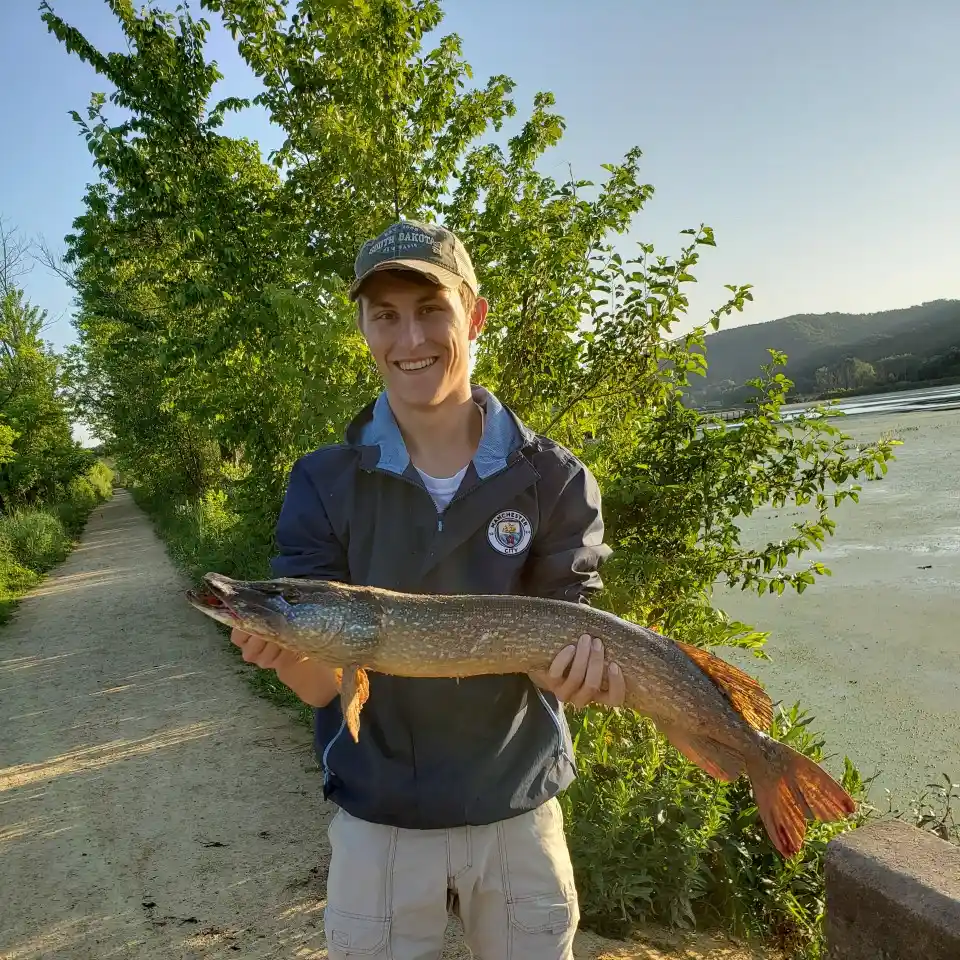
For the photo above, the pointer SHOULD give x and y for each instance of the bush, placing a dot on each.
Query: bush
(102, 479)
(76, 506)
(655, 839)
(15, 581)
(31, 542)
(82, 495)
(34, 539)
(206, 533)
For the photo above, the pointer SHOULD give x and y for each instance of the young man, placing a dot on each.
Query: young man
(448, 801)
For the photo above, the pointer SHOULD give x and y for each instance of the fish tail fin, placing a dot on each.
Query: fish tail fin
(792, 789)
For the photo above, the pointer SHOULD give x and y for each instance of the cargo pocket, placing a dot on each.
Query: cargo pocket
(351, 935)
(542, 926)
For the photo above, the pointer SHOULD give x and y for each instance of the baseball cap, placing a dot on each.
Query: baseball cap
(426, 248)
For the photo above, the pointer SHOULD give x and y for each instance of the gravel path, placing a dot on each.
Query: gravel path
(151, 805)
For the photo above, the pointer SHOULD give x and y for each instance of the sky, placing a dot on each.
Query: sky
(820, 140)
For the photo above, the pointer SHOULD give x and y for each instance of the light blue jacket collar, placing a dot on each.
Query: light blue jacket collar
(502, 435)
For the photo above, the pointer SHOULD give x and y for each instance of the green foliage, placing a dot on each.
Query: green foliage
(206, 534)
(934, 809)
(847, 374)
(101, 479)
(48, 483)
(217, 344)
(15, 581)
(34, 539)
(82, 495)
(38, 456)
(658, 838)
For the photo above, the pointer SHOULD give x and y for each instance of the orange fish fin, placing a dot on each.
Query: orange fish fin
(747, 696)
(715, 759)
(790, 792)
(354, 693)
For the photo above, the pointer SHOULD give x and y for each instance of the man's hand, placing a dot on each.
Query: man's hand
(314, 683)
(577, 672)
(262, 652)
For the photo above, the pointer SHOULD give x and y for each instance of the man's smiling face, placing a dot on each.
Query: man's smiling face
(419, 334)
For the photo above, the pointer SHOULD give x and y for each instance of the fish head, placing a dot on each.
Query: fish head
(276, 609)
(249, 605)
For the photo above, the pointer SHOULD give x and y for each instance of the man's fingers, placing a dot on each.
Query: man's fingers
(592, 678)
(264, 653)
(287, 658)
(616, 690)
(560, 663)
(253, 648)
(595, 665)
(271, 654)
(286, 661)
(578, 670)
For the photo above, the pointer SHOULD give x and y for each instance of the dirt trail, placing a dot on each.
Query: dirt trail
(151, 805)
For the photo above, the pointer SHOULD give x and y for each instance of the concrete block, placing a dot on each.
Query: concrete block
(892, 893)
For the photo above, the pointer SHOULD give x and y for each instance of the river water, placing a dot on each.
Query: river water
(873, 652)
(903, 401)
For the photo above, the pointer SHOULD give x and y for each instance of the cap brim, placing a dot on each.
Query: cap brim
(440, 275)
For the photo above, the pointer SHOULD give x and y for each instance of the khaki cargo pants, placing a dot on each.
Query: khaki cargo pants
(389, 890)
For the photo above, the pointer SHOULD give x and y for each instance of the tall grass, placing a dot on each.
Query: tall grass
(34, 539)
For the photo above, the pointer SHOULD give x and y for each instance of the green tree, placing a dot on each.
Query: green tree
(48, 483)
(38, 455)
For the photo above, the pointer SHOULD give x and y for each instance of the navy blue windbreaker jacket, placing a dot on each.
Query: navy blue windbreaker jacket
(438, 752)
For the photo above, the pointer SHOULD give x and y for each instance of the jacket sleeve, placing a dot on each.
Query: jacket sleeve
(306, 542)
(568, 548)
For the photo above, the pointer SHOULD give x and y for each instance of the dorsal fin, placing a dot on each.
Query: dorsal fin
(747, 696)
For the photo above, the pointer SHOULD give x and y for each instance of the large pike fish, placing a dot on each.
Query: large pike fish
(713, 713)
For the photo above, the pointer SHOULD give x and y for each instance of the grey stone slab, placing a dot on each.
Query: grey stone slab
(892, 893)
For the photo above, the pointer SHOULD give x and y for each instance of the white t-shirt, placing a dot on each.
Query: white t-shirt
(442, 489)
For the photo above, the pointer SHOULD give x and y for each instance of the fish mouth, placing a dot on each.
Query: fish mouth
(213, 598)
(258, 607)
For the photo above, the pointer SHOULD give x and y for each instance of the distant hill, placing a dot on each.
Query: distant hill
(836, 351)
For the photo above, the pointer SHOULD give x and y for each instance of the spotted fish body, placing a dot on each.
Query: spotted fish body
(711, 711)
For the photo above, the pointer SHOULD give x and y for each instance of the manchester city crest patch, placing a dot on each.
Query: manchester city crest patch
(509, 532)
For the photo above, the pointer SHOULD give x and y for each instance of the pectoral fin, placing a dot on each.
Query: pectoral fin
(354, 691)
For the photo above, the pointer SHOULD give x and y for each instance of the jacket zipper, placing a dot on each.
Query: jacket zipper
(511, 462)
